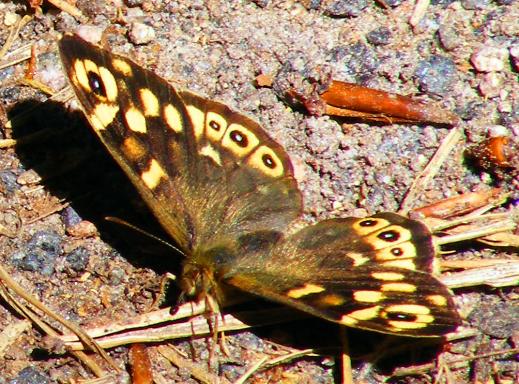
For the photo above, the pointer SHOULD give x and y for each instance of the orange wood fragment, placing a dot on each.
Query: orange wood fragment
(347, 99)
(140, 365)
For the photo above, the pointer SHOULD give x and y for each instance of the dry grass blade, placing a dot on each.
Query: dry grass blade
(254, 368)
(196, 370)
(14, 33)
(68, 8)
(497, 275)
(27, 313)
(195, 327)
(458, 363)
(422, 180)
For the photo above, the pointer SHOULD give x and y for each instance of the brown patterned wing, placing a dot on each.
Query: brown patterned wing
(372, 273)
(204, 170)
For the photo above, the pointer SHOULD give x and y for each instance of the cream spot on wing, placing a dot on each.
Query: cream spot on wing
(109, 83)
(398, 287)
(358, 258)
(438, 300)
(153, 175)
(265, 160)
(197, 118)
(173, 118)
(90, 66)
(349, 321)
(149, 102)
(135, 120)
(368, 296)
(305, 290)
(122, 66)
(387, 276)
(403, 325)
(81, 75)
(414, 309)
(103, 115)
(210, 152)
(365, 314)
(404, 264)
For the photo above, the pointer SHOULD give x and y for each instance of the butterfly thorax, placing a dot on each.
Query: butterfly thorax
(203, 271)
(210, 265)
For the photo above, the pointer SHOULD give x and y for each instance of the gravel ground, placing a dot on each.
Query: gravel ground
(56, 189)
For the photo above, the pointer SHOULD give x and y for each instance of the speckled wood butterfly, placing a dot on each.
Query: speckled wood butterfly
(226, 193)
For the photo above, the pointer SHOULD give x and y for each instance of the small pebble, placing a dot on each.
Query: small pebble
(78, 259)
(29, 177)
(393, 3)
(497, 131)
(90, 33)
(8, 182)
(489, 59)
(436, 75)
(442, 2)
(116, 276)
(83, 229)
(475, 4)
(133, 14)
(30, 375)
(10, 18)
(345, 8)
(40, 253)
(491, 84)
(379, 36)
(261, 3)
(133, 3)
(358, 60)
(141, 33)
(70, 217)
(311, 4)
(449, 37)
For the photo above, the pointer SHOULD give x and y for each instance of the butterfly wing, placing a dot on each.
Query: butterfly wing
(205, 171)
(372, 273)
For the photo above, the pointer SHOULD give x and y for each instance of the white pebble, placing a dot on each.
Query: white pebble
(10, 18)
(489, 59)
(141, 33)
(491, 84)
(497, 131)
(90, 33)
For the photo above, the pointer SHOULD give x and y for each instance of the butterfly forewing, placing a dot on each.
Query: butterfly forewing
(198, 181)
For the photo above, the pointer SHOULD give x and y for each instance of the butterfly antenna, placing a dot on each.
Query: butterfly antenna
(142, 231)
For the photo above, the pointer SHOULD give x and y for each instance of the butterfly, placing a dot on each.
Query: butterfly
(225, 192)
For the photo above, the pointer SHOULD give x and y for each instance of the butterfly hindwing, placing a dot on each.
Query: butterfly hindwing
(371, 273)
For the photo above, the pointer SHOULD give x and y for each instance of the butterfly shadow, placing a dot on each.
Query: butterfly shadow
(372, 353)
(74, 166)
